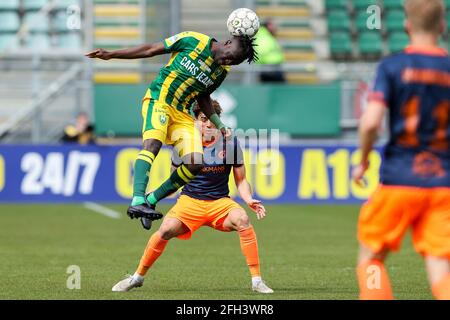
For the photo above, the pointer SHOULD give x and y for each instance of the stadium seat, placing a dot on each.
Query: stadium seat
(361, 5)
(63, 4)
(340, 45)
(336, 4)
(8, 40)
(394, 20)
(9, 5)
(448, 20)
(58, 22)
(393, 4)
(38, 41)
(36, 22)
(71, 40)
(9, 21)
(361, 20)
(397, 41)
(338, 20)
(33, 4)
(370, 45)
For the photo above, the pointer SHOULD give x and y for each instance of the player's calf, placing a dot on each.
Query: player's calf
(178, 178)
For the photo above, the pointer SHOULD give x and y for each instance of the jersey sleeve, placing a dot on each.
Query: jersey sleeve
(381, 88)
(176, 160)
(177, 42)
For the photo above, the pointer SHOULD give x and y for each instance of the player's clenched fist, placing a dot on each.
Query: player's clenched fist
(100, 54)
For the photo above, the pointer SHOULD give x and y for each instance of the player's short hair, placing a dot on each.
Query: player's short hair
(216, 105)
(425, 15)
(248, 46)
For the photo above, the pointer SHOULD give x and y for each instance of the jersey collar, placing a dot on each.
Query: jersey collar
(429, 51)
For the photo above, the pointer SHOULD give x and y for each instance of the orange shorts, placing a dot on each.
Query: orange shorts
(391, 210)
(195, 213)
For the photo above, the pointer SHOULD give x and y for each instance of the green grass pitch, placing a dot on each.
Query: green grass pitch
(307, 252)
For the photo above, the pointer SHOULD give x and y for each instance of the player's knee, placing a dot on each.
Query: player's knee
(166, 233)
(243, 221)
(366, 254)
(152, 145)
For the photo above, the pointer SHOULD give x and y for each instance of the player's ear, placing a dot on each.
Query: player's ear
(407, 27)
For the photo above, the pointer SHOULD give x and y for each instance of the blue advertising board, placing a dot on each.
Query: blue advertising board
(290, 174)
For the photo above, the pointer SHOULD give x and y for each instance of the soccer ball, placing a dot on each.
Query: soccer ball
(243, 22)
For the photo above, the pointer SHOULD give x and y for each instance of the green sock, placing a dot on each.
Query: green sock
(137, 200)
(177, 179)
(142, 168)
(151, 198)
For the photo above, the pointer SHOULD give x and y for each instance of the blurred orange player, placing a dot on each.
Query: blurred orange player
(414, 88)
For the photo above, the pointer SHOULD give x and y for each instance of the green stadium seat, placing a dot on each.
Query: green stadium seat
(336, 4)
(370, 44)
(447, 4)
(9, 21)
(340, 45)
(58, 22)
(38, 41)
(36, 22)
(394, 20)
(338, 20)
(63, 4)
(9, 5)
(33, 4)
(71, 40)
(397, 41)
(363, 4)
(8, 41)
(448, 20)
(393, 4)
(361, 20)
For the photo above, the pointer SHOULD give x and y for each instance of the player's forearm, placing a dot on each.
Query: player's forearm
(367, 139)
(245, 190)
(208, 110)
(139, 52)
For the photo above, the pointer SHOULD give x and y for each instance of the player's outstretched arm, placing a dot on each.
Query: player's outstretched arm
(245, 191)
(368, 132)
(143, 51)
(205, 104)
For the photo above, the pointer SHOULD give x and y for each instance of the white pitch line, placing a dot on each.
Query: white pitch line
(102, 210)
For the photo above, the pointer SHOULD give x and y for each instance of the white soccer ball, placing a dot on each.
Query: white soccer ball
(242, 22)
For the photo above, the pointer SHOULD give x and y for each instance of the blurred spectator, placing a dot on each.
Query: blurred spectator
(82, 132)
(270, 53)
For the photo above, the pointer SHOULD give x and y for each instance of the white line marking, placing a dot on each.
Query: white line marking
(102, 210)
